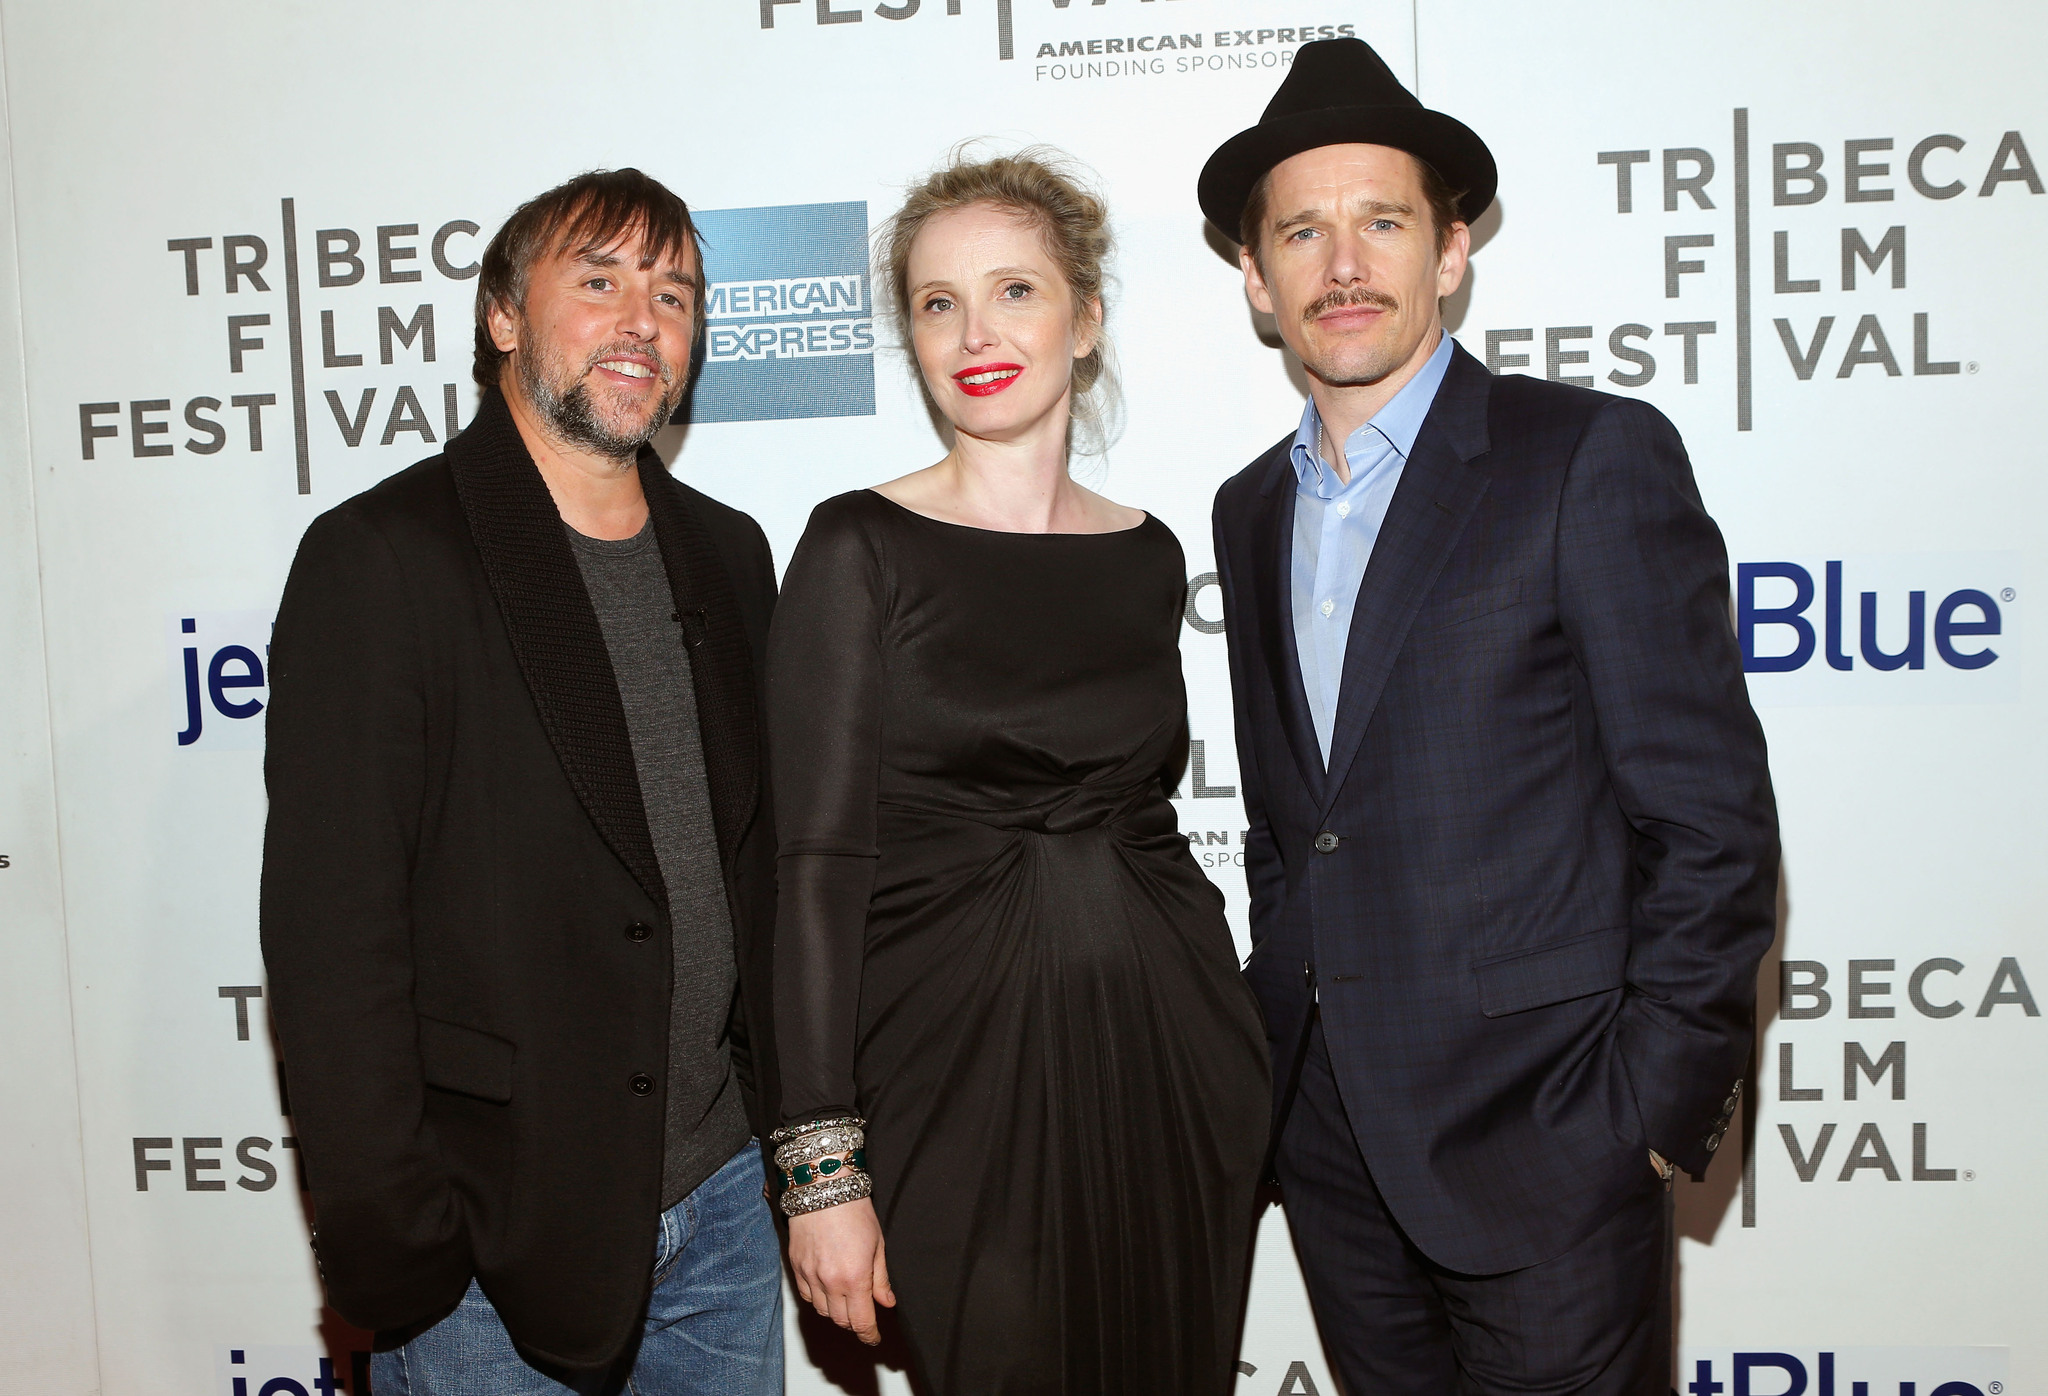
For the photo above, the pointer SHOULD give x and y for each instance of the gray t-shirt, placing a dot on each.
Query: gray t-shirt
(707, 1121)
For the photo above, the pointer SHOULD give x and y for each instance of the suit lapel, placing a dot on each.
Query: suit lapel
(554, 630)
(1273, 567)
(721, 667)
(1437, 494)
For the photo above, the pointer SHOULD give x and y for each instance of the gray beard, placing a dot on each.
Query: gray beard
(574, 420)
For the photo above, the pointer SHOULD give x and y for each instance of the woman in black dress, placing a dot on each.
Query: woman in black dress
(1000, 974)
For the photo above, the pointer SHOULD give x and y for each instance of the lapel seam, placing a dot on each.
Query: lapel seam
(721, 667)
(1453, 490)
(1281, 650)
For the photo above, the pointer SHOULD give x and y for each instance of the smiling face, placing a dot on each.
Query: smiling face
(994, 322)
(600, 351)
(1349, 264)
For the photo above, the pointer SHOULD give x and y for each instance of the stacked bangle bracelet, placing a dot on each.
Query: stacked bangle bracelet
(823, 1163)
(804, 1174)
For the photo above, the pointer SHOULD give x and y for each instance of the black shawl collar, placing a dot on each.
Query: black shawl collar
(561, 651)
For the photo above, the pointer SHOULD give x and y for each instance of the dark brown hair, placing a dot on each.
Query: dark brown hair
(1042, 188)
(586, 214)
(1441, 199)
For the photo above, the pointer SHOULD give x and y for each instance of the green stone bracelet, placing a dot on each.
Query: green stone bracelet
(819, 1169)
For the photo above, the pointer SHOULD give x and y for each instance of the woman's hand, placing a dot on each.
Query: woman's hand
(836, 1253)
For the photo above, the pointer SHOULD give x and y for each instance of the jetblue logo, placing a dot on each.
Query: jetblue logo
(790, 330)
(290, 1371)
(1912, 628)
(221, 676)
(1928, 1371)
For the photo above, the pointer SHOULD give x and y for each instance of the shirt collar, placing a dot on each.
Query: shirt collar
(1397, 424)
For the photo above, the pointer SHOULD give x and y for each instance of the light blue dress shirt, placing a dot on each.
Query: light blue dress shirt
(1336, 524)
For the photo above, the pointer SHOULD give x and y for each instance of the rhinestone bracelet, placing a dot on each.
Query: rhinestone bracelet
(798, 1131)
(839, 1139)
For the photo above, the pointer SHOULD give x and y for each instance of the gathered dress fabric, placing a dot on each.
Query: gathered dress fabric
(994, 943)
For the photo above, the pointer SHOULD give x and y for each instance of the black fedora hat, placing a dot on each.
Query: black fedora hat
(1339, 92)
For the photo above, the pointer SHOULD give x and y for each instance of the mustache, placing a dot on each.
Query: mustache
(1334, 300)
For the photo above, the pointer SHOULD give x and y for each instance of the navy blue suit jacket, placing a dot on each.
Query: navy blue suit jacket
(1535, 937)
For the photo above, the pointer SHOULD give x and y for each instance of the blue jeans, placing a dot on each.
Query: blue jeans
(713, 1325)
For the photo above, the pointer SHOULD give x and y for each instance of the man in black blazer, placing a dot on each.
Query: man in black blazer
(1513, 851)
(518, 881)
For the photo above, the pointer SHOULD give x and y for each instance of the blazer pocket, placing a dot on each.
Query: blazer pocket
(467, 1061)
(1554, 973)
(1471, 605)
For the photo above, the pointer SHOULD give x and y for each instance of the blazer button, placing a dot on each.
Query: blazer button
(639, 930)
(641, 1083)
(1326, 842)
(1712, 1142)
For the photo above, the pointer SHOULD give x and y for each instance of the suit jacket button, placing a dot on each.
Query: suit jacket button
(641, 1083)
(1326, 842)
(1712, 1141)
(639, 930)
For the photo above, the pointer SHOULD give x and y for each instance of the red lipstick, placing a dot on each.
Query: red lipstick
(1006, 374)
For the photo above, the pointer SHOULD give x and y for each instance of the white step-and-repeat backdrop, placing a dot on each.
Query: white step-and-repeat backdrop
(241, 256)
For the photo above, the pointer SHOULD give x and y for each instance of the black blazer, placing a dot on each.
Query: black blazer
(459, 886)
(1537, 878)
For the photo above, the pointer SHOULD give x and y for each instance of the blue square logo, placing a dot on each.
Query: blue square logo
(791, 329)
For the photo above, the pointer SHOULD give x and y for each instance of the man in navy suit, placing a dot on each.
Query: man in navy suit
(1513, 852)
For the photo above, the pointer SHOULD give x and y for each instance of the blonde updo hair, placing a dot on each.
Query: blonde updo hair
(1045, 188)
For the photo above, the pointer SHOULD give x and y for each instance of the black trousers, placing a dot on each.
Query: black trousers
(1595, 1320)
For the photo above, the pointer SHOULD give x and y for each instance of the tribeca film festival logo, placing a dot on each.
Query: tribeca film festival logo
(280, 353)
(1907, 628)
(192, 1168)
(204, 1163)
(1136, 54)
(225, 1167)
(790, 331)
(1849, 1076)
(1916, 1371)
(1840, 249)
(299, 322)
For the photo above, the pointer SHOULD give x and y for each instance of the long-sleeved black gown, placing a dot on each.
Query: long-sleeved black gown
(995, 945)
